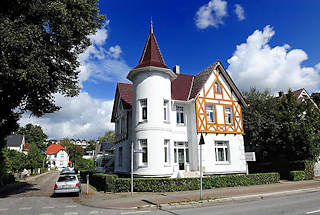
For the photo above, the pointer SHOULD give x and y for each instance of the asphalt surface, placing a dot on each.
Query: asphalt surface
(35, 198)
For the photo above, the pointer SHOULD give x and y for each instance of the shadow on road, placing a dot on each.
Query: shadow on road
(16, 188)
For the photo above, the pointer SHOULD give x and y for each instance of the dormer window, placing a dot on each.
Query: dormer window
(143, 110)
(217, 87)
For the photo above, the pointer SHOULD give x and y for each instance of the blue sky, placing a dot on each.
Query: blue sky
(263, 43)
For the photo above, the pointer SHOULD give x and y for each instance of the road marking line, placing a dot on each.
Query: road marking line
(95, 212)
(3, 209)
(47, 207)
(46, 214)
(313, 212)
(71, 206)
(26, 208)
(71, 213)
(136, 212)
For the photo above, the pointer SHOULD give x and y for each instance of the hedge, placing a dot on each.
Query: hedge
(6, 179)
(283, 167)
(297, 175)
(111, 183)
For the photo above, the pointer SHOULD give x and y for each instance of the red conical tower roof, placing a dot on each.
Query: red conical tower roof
(151, 55)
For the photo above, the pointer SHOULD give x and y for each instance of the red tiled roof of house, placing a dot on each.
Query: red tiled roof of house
(297, 93)
(180, 87)
(200, 79)
(54, 149)
(125, 91)
(151, 55)
(26, 146)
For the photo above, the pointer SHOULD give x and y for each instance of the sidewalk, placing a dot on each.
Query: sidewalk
(191, 198)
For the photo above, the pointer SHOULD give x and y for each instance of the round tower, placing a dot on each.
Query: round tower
(151, 80)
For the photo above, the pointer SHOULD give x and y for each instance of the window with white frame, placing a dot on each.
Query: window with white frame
(166, 151)
(144, 154)
(120, 157)
(210, 114)
(143, 110)
(228, 115)
(166, 110)
(180, 114)
(217, 87)
(222, 151)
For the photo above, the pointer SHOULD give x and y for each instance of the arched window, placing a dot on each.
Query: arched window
(217, 87)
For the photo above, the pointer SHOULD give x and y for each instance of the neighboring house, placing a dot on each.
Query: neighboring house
(16, 142)
(83, 143)
(25, 148)
(163, 112)
(57, 157)
(104, 157)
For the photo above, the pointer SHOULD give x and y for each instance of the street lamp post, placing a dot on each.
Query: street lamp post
(201, 142)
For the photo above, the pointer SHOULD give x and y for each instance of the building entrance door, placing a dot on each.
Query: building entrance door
(181, 159)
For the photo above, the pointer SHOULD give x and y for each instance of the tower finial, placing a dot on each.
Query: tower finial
(151, 26)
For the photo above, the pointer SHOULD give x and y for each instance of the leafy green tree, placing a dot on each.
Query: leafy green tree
(91, 146)
(107, 137)
(281, 128)
(85, 164)
(40, 42)
(35, 159)
(316, 98)
(34, 134)
(15, 161)
(260, 123)
(75, 152)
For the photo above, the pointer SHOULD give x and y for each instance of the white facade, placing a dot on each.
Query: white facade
(59, 160)
(165, 132)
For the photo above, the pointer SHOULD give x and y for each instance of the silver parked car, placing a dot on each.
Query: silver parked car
(67, 183)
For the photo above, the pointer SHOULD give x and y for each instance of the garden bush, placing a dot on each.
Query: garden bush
(297, 175)
(115, 184)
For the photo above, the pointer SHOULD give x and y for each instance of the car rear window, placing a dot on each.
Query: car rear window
(67, 178)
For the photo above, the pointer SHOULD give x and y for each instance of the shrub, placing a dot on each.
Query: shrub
(115, 184)
(83, 175)
(297, 175)
(309, 169)
(7, 179)
(43, 170)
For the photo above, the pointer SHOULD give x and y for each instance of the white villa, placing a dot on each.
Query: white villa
(57, 157)
(163, 112)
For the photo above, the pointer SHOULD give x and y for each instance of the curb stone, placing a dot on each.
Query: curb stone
(235, 198)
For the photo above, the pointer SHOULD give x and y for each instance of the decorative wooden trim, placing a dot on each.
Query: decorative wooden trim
(201, 110)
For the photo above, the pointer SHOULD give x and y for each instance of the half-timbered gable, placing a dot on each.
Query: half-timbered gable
(218, 107)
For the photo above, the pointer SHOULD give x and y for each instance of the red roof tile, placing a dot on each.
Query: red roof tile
(297, 93)
(180, 87)
(54, 149)
(151, 55)
(26, 146)
(125, 91)
(200, 79)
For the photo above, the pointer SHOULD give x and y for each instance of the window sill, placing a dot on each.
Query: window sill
(181, 124)
(167, 165)
(143, 166)
(167, 122)
(143, 121)
(223, 163)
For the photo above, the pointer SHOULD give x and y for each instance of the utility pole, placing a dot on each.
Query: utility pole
(201, 142)
(132, 168)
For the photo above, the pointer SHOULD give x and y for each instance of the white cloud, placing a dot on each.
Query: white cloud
(84, 116)
(255, 63)
(211, 14)
(79, 117)
(99, 63)
(238, 9)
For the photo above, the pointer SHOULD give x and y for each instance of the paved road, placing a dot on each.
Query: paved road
(36, 199)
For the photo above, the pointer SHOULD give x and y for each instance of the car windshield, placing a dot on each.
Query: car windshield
(67, 178)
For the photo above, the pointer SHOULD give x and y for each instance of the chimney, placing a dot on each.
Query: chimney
(280, 93)
(176, 69)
